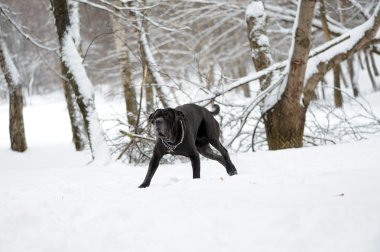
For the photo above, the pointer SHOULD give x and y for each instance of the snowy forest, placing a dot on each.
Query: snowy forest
(297, 83)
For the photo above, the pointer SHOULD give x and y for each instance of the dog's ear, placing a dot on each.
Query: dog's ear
(151, 117)
(179, 115)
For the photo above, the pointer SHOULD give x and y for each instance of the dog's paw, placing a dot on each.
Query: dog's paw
(232, 172)
(143, 185)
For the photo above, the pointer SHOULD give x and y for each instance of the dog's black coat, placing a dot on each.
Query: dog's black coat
(200, 130)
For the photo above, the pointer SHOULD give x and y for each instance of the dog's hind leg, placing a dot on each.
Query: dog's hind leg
(207, 152)
(230, 167)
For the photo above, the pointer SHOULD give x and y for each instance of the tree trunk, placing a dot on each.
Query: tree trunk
(243, 72)
(120, 36)
(147, 57)
(338, 99)
(373, 64)
(353, 76)
(81, 85)
(371, 77)
(286, 120)
(258, 40)
(16, 119)
(76, 119)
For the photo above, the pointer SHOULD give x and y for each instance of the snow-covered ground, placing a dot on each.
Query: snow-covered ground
(312, 199)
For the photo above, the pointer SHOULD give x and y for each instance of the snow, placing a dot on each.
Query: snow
(72, 58)
(255, 9)
(310, 199)
(75, 22)
(257, 33)
(9, 64)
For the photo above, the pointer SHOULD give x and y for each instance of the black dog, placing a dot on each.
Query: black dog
(187, 130)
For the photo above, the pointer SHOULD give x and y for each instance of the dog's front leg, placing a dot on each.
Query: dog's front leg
(153, 165)
(196, 164)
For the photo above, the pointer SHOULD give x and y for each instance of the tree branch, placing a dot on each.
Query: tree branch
(359, 37)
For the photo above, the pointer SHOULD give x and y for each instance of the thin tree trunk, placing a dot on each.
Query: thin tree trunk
(76, 118)
(120, 36)
(285, 122)
(243, 72)
(353, 77)
(148, 59)
(148, 76)
(373, 63)
(361, 61)
(338, 99)
(370, 74)
(16, 119)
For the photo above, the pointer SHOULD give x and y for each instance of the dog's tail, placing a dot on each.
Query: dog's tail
(216, 109)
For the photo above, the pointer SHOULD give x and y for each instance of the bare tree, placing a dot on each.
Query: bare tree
(153, 76)
(16, 119)
(121, 39)
(81, 85)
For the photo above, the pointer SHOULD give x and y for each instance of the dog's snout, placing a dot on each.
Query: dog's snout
(159, 121)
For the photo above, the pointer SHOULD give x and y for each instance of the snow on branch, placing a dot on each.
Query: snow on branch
(321, 58)
(290, 15)
(358, 38)
(73, 60)
(244, 80)
(152, 64)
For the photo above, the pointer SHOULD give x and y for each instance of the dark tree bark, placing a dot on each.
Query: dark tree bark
(351, 71)
(369, 69)
(16, 119)
(373, 63)
(76, 118)
(338, 98)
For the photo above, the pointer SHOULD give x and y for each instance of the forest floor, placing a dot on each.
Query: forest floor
(324, 198)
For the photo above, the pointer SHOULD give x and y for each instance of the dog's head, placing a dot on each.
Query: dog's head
(166, 123)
